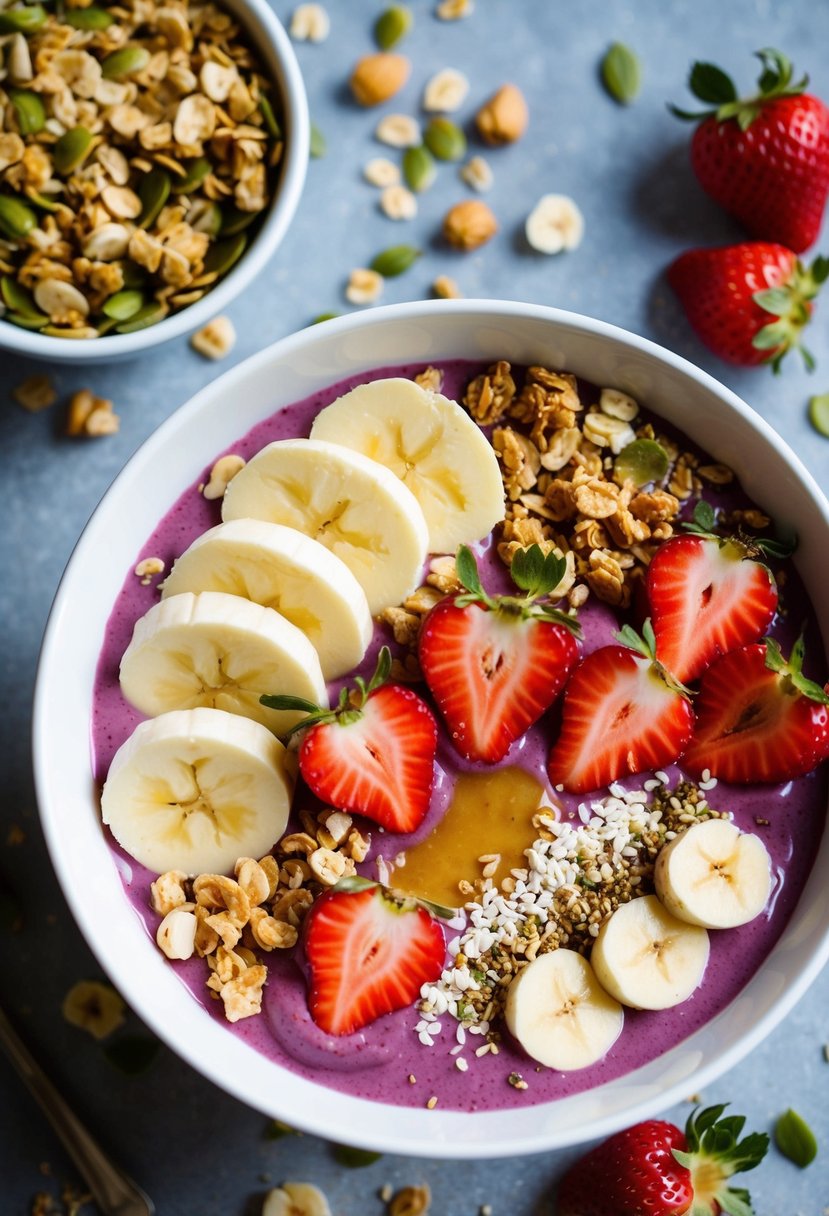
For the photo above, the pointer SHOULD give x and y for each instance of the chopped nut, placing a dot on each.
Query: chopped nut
(271, 934)
(242, 997)
(62, 302)
(146, 570)
(469, 224)
(398, 131)
(101, 421)
(430, 378)
(490, 395)
(35, 394)
(216, 339)
(606, 431)
(445, 92)
(412, 1200)
(298, 842)
(378, 77)
(167, 892)
(477, 174)
(296, 1199)
(225, 894)
(176, 935)
(445, 288)
(364, 286)
(82, 406)
(107, 243)
(358, 845)
(398, 203)
(618, 405)
(717, 474)
(454, 10)
(221, 475)
(93, 1006)
(121, 202)
(503, 118)
(328, 866)
(382, 172)
(195, 121)
(310, 23)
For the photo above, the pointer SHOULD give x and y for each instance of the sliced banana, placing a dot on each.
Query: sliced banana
(560, 1014)
(646, 958)
(352, 505)
(287, 571)
(554, 224)
(196, 789)
(432, 445)
(221, 651)
(714, 875)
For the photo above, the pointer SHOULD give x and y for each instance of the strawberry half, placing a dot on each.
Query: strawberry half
(764, 159)
(654, 1168)
(748, 303)
(367, 955)
(374, 754)
(707, 595)
(623, 713)
(759, 719)
(494, 664)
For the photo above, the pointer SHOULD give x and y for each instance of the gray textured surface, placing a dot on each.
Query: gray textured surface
(196, 1150)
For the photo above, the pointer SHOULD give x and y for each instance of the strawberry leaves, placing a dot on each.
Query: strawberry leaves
(714, 1154)
(346, 710)
(793, 669)
(711, 85)
(533, 571)
(703, 523)
(790, 304)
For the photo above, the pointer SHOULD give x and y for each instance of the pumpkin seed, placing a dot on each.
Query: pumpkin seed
(205, 216)
(621, 73)
(318, 146)
(819, 413)
(124, 62)
(29, 111)
(27, 320)
(16, 219)
(324, 316)
(44, 201)
(195, 171)
(149, 315)
(419, 168)
(795, 1138)
(17, 298)
(234, 220)
(354, 1158)
(71, 149)
(642, 461)
(395, 260)
(445, 139)
(24, 20)
(132, 274)
(123, 305)
(104, 327)
(271, 122)
(153, 190)
(88, 18)
(391, 26)
(224, 254)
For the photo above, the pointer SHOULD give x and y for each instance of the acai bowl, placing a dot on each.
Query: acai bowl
(109, 894)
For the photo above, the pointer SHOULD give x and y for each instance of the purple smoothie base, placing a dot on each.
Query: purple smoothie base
(376, 1063)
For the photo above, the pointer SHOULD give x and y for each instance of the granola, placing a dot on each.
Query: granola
(138, 144)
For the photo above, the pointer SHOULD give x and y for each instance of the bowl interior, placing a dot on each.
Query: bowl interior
(273, 46)
(170, 460)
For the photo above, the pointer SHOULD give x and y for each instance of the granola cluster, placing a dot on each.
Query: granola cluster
(137, 145)
(561, 480)
(228, 920)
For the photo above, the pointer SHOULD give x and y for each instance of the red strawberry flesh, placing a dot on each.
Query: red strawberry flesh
(381, 764)
(634, 1173)
(753, 725)
(492, 673)
(367, 956)
(706, 598)
(620, 717)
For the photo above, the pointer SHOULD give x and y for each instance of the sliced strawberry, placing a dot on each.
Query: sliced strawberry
(367, 955)
(708, 595)
(495, 664)
(622, 714)
(374, 754)
(759, 719)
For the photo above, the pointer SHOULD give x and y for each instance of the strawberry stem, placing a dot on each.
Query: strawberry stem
(790, 304)
(345, 711)
(704, 521)
(645, 645)
(792, 671)
(713, 86)
(714, 1154)
(534, 572)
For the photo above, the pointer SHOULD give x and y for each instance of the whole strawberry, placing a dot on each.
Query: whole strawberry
(765, 159)
(653, 1169)
(749, 303)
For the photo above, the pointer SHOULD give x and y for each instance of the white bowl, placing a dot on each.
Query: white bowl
(167, 463)
(277, 55)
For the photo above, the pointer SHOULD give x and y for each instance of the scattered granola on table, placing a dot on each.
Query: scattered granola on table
(138, 144)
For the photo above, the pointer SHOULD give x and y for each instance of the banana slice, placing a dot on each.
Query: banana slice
(646, 958)
(555, 223)
(432, 445)
(714, 875)
(287, 571)
(221, 651)
(560, 1014)
(196, 789)
(352, 505)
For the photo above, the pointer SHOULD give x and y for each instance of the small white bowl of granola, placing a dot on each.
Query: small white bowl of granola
(151, 161)
(441, 1074)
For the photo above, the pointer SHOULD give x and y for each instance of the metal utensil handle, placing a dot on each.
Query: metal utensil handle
(113, 1191)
